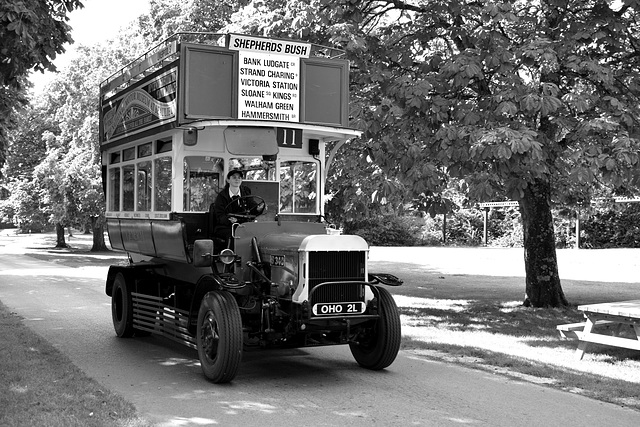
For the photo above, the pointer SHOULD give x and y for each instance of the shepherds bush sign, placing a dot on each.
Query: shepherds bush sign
(269, 77)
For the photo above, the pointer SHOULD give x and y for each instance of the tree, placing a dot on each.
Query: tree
(32, 33)
(167, 17)
(25, 147)
(50, 187)
(75, 158)
(531, 101)
(12, 101)
(25, 150)
(349, 197)
(22, 208)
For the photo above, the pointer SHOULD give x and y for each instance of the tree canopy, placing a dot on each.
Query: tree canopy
(32, 33)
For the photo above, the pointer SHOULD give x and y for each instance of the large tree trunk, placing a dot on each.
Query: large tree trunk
(97, 227)
(60, 242)
(543, 287)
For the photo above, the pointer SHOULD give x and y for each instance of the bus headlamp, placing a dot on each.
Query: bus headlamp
(227, 256)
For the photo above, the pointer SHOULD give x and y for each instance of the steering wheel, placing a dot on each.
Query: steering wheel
(246, 208)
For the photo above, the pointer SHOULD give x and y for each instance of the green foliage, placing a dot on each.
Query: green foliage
(167, 17)
(26, 150)
(607, 226)
(12, 102)
(26, 147)
(350, 196)
(504, 227)
(32, 32)
(501, 94)
(464, 228)
(22, 208)
(616, 226)
(387, 230)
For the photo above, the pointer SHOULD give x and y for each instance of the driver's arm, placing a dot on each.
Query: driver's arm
(219, 206)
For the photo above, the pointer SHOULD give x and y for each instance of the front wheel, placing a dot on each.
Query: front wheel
(219, 336)
(378, 344)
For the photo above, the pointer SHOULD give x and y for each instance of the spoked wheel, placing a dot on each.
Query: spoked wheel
(122, 307)
(219, 336)
(377, 345)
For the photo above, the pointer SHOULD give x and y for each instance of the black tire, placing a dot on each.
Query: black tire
(122, 307)
(379, 344)
(219, 336)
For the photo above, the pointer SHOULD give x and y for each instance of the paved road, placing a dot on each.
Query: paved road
(311, 387)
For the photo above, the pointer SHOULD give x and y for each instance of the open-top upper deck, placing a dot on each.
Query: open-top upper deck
(197, 77)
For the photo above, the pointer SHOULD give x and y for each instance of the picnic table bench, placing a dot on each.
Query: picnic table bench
(602, 325)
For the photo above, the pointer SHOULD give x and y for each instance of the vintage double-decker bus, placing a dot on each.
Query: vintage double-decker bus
(173, 124)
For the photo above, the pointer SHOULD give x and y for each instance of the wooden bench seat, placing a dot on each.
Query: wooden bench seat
(570, 330)
(609, 315)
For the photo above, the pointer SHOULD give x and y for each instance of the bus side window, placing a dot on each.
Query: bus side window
(201, 182)
(162, 184)
(128, 188)
(114, 189)
(144, 186)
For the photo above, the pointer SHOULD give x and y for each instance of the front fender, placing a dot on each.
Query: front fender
(385, 279)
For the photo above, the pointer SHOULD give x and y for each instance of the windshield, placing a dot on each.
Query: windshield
(298, 187)
(255, 168)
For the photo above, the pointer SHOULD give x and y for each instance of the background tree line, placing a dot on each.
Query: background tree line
(602, 226)
(460, 101)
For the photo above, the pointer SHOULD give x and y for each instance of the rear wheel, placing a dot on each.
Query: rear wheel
(219, 336)
(377, 345)
(122, 307)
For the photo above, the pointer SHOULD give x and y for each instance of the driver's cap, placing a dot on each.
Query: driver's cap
(234, 172)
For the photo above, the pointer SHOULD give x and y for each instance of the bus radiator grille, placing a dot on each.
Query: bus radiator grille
(337, 267)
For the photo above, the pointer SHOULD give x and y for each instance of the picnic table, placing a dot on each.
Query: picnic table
(603, 324)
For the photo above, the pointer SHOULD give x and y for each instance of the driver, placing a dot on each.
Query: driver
(232, 190)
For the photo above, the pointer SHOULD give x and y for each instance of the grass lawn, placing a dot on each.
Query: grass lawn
(459, 305)
(41, 387)
(464, 306)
